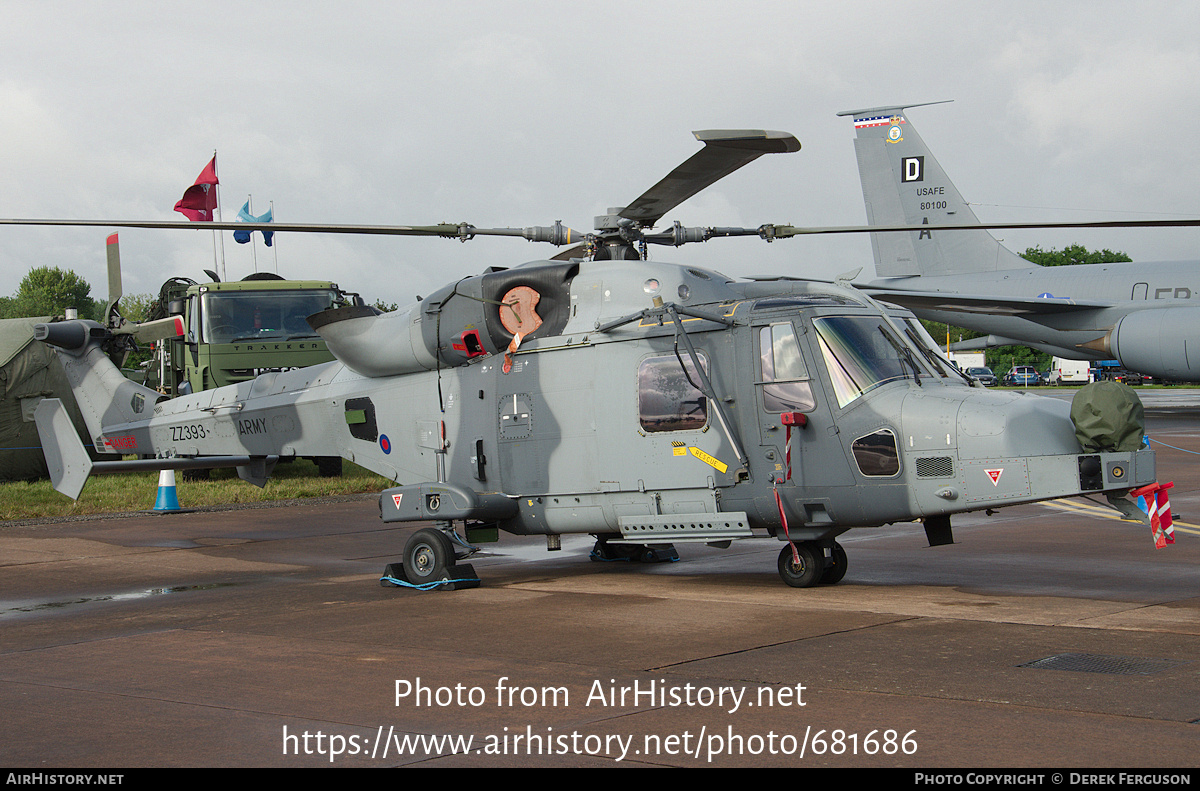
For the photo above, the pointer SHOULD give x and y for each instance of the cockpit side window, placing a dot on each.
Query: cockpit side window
(786, 386)
(667, 400)
(860, 354)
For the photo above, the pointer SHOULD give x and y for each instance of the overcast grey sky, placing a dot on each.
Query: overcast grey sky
(523, 113)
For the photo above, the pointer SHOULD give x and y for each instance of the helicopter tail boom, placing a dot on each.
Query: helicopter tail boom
(70, 466)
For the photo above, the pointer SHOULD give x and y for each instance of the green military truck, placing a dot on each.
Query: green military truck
(237, 330)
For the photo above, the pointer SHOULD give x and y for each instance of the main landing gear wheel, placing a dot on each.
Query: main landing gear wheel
(427, 556)
(804, 569)
(837, 569)
(329, 466)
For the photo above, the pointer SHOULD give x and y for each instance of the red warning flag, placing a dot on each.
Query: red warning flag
(1152, 499)
(200, 200)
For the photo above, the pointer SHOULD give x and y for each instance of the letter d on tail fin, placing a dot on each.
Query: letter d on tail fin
(66, 458)
(903, 184)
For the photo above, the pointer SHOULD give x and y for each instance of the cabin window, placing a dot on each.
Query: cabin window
(669, 399)
(785, 385)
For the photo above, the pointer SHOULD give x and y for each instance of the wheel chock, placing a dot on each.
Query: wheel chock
(458, 577)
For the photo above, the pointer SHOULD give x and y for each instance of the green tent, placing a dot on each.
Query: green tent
(29, 372)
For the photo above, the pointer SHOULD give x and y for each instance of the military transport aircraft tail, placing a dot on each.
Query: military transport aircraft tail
(904, 185)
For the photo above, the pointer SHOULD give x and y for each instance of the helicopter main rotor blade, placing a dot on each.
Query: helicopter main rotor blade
(558, 233)
(725, 150)
(447, 230)
(770, 232)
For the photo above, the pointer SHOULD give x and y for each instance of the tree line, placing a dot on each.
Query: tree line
(49, 291)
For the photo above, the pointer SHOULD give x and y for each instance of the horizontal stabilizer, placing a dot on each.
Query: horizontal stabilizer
(252, 469)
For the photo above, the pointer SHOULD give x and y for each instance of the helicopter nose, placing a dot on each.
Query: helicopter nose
(984, 424)
(1005, 425)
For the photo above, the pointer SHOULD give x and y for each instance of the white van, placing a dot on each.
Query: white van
(1069, 372)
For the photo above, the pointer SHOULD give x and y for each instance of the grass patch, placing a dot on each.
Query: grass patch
(105, 494)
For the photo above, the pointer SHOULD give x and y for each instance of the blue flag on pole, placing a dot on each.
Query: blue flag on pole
(242, 237)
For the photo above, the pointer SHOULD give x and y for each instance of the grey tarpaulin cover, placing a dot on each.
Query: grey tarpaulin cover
(1108, 416)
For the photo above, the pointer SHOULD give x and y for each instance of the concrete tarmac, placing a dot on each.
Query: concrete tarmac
(1047, 636)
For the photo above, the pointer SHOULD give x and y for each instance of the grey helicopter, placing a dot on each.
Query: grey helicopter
(645, 403)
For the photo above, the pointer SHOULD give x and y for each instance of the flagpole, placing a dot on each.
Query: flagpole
(274, 241)
(253, 254)
(223, 276)
(216, 259)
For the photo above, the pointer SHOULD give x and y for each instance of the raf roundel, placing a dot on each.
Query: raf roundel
(385, 444)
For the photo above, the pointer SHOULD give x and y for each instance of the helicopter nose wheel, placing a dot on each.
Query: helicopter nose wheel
(803, 569)
(429, 563)
(427, 555)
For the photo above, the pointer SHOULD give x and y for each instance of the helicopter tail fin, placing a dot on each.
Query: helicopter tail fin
(903, 184)
(106, 398)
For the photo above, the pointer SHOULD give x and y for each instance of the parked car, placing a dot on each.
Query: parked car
(1022, 376)
(984, 375)
(1050, 376)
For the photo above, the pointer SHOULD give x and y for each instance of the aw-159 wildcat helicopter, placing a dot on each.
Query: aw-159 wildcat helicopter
(647, 403)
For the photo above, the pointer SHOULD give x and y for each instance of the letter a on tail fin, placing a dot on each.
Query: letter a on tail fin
(903, 184)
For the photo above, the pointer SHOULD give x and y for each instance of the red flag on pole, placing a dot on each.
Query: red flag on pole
(200, 199)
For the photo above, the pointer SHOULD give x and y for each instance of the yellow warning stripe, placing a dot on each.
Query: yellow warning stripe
(1091, 509)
